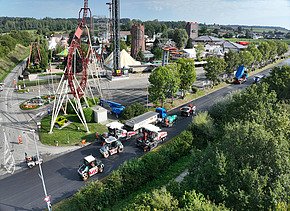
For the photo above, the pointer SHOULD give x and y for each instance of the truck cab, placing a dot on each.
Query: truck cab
(164, 119)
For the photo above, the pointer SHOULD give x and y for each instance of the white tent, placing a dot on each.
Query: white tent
(125, 60)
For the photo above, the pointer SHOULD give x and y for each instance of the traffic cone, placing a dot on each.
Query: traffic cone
(19, 139)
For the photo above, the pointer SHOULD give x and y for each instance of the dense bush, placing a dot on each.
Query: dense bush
(247, 167)
(133, 110)
(89, 114)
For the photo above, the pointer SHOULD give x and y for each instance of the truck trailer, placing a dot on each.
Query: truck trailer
(138, 122)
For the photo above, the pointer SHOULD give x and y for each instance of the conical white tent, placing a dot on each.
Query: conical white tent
(125, 60)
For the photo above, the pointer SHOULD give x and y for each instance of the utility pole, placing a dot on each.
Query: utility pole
(9, 162)
(47, 197)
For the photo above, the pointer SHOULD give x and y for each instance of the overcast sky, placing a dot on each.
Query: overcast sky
(246, 12)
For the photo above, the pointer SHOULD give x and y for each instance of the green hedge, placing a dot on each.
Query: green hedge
(134, 173)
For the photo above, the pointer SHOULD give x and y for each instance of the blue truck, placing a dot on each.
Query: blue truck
(116, 108)
(241, 75)
(164, 119)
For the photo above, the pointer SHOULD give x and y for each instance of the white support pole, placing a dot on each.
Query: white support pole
(81, 110)
(58, 104)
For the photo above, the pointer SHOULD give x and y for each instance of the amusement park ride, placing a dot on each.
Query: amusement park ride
(81, 65)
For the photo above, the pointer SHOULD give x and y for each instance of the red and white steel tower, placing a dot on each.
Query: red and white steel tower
(74, 83)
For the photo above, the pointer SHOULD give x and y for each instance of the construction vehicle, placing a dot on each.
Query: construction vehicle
(164, 119)
(151, 137)
(32, 161)
(116, 129)
(188, 110)
(138, 122)
(116, 108)
(90, 167)
(111, 147)
(241, 75)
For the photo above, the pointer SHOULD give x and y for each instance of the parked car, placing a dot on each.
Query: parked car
(90, 167)
(60, 121)
(258, 78)
(111, 147)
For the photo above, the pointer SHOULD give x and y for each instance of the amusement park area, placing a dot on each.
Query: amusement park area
(100, 104)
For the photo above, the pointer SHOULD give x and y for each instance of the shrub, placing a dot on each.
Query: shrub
(130, 176)
(133, 110)
(88, 112)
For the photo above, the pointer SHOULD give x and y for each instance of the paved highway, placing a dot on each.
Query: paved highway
(23, 190)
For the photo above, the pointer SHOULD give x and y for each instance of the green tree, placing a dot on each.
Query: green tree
(140, 56)
(133, 110)
(173, 82)
(273, 49)
(189, 43)
(159, 199)
(180, 38)
(214, 68)
(199, 50)
(264, 48)
(187, 74)
(255, 53)
(232, 60)
(246, 58)
(282, 47)
(158, 84)
(279, 81)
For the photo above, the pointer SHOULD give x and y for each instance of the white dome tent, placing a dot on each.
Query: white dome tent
(126, 60)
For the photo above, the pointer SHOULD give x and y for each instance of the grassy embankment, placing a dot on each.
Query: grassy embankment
(8, 62)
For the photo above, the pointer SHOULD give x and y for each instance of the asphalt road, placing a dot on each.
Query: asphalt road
(23, 190)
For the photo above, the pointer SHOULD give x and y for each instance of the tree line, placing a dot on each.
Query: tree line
(167, 80)
(8, 24)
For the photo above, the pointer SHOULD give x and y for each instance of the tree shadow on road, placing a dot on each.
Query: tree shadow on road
(69, 173)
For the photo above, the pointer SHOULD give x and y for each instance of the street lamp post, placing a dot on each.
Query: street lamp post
(47, 197)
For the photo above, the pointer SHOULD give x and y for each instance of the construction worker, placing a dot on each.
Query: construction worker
(19, 139)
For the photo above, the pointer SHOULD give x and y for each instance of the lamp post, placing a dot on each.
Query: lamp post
(47, 197)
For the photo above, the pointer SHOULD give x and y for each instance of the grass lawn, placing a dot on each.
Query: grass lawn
(69, 135)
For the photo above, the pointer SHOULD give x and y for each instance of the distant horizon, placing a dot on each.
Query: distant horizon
(272, 13)
(267, 26)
